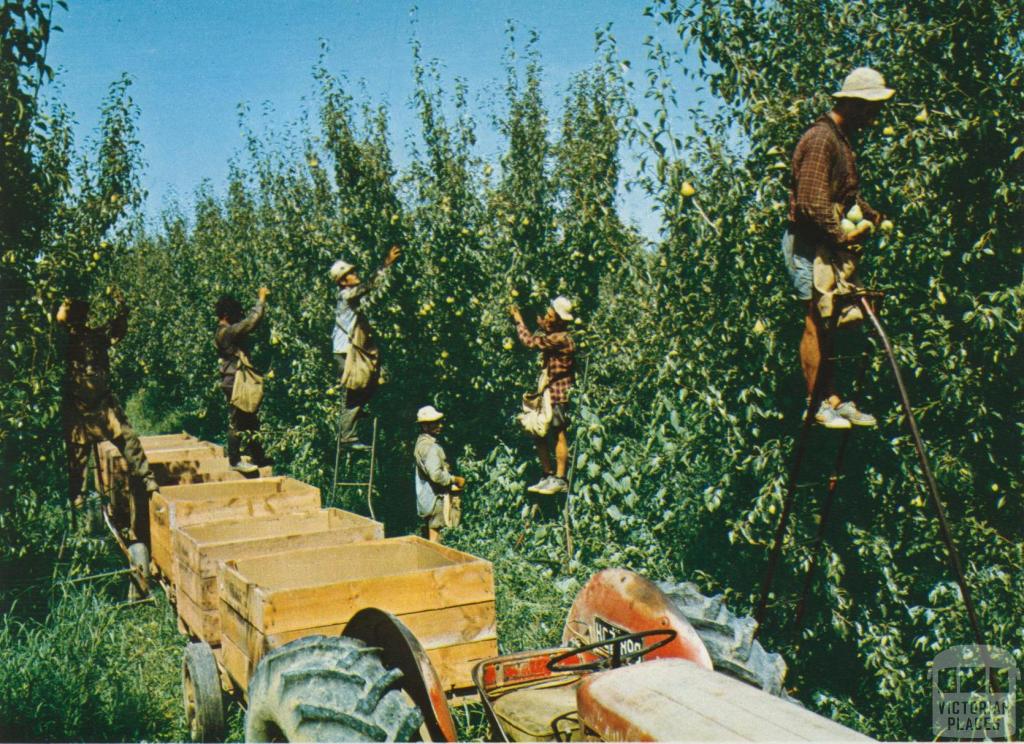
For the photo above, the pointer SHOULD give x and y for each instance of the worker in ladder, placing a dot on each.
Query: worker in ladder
(92, 413)
(820, 256)
(355, 352)
(559, 374)
(231, 338)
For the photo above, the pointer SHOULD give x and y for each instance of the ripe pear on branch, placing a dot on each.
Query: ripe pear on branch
(687, 191)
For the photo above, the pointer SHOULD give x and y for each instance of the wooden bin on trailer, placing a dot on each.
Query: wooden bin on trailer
(444, 596)
(200, 548)
(180, 506)
(168, 458)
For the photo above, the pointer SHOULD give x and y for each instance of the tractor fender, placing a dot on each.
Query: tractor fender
(617, 601)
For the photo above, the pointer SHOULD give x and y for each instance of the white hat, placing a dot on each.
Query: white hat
(339, 269)
(563, 307)
(866, 84)
(428, 414)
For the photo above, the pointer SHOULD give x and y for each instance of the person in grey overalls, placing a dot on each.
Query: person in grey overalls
(351, 292)
(438, 502)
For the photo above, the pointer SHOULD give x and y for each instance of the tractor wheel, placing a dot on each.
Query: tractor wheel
(204, 701)
(322, 688)
(729, 639)
(138, 556)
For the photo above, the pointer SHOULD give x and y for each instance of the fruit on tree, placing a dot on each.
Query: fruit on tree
(886, 226)
(687, 189)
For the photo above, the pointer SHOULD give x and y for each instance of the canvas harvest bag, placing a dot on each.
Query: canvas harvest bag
(362, 360)
(537, 411)
(247, 394)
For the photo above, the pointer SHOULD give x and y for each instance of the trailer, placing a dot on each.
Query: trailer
(322, 627)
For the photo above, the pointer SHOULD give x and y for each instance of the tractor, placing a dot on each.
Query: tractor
(631, 667)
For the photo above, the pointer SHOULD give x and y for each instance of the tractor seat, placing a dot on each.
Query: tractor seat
(532, 713)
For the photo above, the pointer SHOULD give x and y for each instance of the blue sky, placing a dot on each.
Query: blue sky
(194, 62)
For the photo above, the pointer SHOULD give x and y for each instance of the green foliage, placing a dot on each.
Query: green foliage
(684, 419)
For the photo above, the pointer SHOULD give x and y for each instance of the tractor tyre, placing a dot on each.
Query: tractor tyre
(322, 688)
(204, 701)
(729, 639)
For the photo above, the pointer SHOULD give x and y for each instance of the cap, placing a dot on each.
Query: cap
(428, 414)
(563, 307)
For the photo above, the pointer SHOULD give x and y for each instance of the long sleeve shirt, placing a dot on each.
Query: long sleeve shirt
(88, 358)
(230, 339)
(559, 355)
(346, 312)
(432, 475)
(825, 185)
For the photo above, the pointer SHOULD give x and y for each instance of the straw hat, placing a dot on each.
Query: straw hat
(865, 83)
(428, 414)
(339, 269)
(563, 307)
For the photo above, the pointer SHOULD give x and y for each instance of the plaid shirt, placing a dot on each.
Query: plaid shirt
(825, 185)
(559, 359)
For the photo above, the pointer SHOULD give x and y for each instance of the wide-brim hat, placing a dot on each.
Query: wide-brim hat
(562, 307)
(339, 269)
(866, 84)
(428, 415)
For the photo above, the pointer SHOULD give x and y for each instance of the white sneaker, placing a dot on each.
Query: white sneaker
(828, 417)
(546, 486)
(848, 410)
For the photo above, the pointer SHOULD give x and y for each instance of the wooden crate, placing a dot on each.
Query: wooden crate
(179, 506)
(107, 452)
(166, 462)
(199, 549)
(444, 596)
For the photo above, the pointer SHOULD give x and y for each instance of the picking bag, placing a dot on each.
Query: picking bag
(247, 394)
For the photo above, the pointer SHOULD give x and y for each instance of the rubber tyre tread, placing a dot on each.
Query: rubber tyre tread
(199, 664)
(729, 639)
(322, 688)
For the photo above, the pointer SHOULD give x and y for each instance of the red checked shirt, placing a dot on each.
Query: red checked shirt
(825, 185)
(559, 359)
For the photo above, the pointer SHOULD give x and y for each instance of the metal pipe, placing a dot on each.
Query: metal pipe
(373, 459)
(933, 489)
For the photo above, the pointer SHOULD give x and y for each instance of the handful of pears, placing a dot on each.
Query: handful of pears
(854, 220)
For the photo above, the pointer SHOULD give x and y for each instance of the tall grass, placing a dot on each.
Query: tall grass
(92, 670)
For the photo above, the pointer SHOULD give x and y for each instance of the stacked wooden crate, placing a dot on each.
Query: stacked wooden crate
(198, 550)
(255, 563)
(444, 596)
(179, 506)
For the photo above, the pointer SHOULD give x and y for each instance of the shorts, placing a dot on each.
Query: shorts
(799, 268)
(559, 417)
(436, 521)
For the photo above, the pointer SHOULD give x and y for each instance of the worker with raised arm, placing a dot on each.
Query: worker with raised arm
(437, 490)
(819, 248)
(558, 352)
(230, 338)
(355, 350)
(92, 413)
